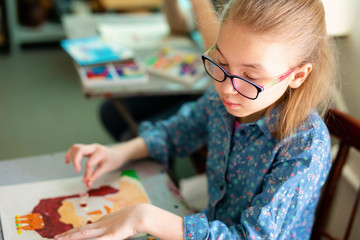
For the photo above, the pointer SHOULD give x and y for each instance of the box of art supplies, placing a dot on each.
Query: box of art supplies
(94, 50)
(124, 72)
(176, 65)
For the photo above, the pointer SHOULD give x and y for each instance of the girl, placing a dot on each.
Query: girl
(269, 150)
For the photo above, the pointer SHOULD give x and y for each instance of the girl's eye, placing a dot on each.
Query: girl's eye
(224, 65)
(249, 78)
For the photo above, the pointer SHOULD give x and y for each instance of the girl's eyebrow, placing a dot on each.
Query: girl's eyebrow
(255, 65)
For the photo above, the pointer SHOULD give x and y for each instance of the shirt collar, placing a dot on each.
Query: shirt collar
(267, 123)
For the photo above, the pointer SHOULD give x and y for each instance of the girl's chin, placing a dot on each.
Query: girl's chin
(237, 112)
(244, 116)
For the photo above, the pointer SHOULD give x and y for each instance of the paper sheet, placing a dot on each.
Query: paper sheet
(59, 205)
(145, 35)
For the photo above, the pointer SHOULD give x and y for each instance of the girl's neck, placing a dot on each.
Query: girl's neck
(252, 118)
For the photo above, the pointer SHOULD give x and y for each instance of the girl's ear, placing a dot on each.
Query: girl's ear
(300, 75)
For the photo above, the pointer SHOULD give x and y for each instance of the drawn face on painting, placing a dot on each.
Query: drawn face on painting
(63, 213)
(85, 210)
(56, 215)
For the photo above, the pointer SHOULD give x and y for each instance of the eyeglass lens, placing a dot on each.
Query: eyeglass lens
(241, 86)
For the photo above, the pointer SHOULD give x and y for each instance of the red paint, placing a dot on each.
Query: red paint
(102, 191)
(48, 210)
(83, 205)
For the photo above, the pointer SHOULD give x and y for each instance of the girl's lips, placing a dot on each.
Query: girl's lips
(230, 104)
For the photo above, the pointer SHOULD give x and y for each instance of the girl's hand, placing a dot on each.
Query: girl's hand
(127, 222)
(118, 225)
(101, 160)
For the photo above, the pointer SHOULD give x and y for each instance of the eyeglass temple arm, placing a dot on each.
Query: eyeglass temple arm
(281, 78)
(212, 48)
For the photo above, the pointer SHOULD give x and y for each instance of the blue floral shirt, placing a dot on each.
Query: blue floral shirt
(259, 187)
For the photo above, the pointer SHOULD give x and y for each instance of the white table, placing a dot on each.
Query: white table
(77, 26)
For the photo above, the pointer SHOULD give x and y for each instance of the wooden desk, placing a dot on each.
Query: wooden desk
(161, 191)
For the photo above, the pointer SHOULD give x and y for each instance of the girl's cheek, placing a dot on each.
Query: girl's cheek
(218, 87)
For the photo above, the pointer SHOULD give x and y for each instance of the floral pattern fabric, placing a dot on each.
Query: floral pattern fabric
(259, 187)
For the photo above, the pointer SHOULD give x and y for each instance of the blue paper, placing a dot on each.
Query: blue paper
(92, 50)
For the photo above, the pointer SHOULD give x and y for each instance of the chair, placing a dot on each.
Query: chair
(347, 130)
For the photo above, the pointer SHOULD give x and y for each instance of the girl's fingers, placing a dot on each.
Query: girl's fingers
(67, 156)
(77, 155)
(100, 170)
(93, 161)
(85, 232)
(78, 152)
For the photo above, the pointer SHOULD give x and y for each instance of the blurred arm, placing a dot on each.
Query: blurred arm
(175, 17)
(206, 20)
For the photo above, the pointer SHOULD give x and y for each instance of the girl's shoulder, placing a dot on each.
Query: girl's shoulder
(312, 126)
(312, 131)
(314, 123)
(311, 142)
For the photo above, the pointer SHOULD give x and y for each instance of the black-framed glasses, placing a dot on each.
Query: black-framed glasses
(242, 85)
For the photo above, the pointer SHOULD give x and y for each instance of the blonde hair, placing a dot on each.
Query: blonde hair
(301, 23)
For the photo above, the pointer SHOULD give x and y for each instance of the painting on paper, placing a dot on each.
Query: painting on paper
(44, 209)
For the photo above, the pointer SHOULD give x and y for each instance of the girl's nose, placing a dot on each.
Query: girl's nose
(228, 87)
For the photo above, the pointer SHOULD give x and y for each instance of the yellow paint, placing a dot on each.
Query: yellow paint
(68, 215)
(94, 218)
(189, 58)
(130, 193)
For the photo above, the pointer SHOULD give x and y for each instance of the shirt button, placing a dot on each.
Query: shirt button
(242, 132)
(221, 187)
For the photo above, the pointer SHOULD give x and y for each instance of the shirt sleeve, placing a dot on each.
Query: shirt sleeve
(181, 134)
(289, 186)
